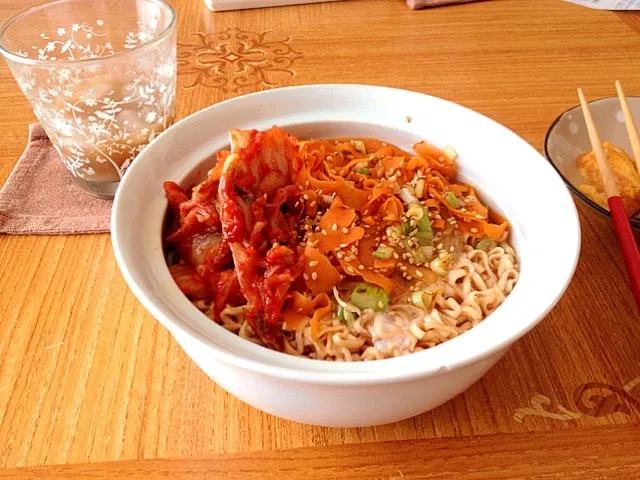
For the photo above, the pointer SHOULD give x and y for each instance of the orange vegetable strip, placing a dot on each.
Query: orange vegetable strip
(352, 196)
(303, 305)
(416, 163)
(352, 268)
(392, 163)
(321, 276)
(366, 247)
(384, 152)
(391, 210)
(338, 214)
(377, 192)
(389, 263)
(329, 242)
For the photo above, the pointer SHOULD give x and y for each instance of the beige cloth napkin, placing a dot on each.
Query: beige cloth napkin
(417, 4)
(40, 199)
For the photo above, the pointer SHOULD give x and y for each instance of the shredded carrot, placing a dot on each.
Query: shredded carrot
(301, 307)
(366, 247)
(321, 276)
(351, 195)
(495, 232)
(392, 163)
(389, 263)
(338, 214)
(417, 162)
(391, 210)
(352, 267)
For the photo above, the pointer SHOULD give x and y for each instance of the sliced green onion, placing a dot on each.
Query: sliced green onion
(349, 318)
(442, 264)
(421, 216)
(417, 300)
(486, 244)
(345, 316)
(383, 252)
(394, 233)
(364, 171)
(425, 299)
(407, 228)
(453, 201)
(365, 296)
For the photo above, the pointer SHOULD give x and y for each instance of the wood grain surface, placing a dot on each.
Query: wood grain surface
(86, 375)
(604, 453)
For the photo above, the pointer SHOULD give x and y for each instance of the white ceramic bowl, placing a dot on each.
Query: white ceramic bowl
(568, 137)
(546, 234)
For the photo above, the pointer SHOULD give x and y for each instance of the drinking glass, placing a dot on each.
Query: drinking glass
(101, 78)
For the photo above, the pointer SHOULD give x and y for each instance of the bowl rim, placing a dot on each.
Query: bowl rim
(185, 332)
(634, 221)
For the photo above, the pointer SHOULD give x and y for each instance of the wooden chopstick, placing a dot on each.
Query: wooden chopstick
(632, 130)
(608, 179)
(621, 224)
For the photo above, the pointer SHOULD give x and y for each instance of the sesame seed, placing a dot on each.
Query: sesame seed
(344, 245)
(440, 246)
(383, 144)
(350, 270)
(313, 204)
(314, 276)
(361, 267)
(334, 227)
(409, 277)
(330, 158)
(403, 268)
(452, 249)
(305, 196)
(366, 212)
(305, 276)
(324, 232)
(313, 263)
(396, 256)
(380, 304)
(474, 230)
(419, 273)
(408, 299)
(345, 230)
(340, 255)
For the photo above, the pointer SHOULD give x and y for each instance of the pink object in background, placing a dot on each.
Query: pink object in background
(222, 5)
(417, 4)
(39, 197)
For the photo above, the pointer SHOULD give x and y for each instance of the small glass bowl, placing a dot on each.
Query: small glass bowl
(568, 137)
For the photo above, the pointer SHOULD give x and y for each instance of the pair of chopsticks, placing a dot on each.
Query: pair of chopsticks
(620, 220)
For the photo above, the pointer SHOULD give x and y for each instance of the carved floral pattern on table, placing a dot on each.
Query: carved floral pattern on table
(592, 399)
(236, 60)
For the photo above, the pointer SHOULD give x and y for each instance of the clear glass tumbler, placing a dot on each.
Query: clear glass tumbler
(101, 78)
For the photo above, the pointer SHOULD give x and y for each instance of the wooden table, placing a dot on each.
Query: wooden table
(86, 375)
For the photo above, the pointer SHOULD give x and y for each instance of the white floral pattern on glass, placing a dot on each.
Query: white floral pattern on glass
(99, 113)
